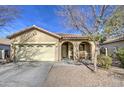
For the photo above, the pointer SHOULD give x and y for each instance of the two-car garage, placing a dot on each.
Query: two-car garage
(36, 52)
(35, 44)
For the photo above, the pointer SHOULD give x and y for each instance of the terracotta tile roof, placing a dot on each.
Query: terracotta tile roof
(5, 42)
(73, 36)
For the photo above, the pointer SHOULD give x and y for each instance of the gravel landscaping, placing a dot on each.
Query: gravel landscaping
(41, 74)
(80, 76)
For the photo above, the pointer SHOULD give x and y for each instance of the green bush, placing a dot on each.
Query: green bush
(120, 56)
(104, 61)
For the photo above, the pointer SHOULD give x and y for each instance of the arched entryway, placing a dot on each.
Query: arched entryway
(67, 50)
(85, 50)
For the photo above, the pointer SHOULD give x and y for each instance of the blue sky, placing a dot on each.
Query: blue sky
(43, 16)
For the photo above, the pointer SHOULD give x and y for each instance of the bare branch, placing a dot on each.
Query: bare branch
(102, 10)
(8, 14)
(94, 11)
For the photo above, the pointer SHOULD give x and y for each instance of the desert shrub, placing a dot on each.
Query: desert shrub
(120, 56)
(104, 61)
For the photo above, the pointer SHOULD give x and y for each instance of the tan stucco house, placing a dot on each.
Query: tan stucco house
(4, 49)
(37, 44)
(113, 44)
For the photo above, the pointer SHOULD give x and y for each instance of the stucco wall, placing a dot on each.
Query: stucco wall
(76, 44)
(36, 37)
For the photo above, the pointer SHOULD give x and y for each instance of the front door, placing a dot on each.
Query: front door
(82, 51)
(65, 51)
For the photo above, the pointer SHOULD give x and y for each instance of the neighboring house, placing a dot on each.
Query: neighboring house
(37, 44)
(4, 48)
(112, 45)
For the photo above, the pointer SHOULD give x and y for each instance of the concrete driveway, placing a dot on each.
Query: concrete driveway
(24, 74)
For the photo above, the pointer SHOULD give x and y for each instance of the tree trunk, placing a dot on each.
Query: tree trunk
(14, 54)
(95, 58)
(95, 61)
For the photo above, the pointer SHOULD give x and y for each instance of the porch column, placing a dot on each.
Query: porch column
(60, 49)
(69, 51)
(92, 50)
(106, 51)
(75, 50)
(3, 53)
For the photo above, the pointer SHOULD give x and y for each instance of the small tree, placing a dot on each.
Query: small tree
(115, 24)
(89, 20)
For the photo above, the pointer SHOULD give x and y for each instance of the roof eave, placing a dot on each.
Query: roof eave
(33, 27)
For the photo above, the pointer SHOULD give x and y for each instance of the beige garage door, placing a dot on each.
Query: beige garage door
(37, 52)
(45, 53)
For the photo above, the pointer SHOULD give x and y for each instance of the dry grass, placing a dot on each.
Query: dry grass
(64, 75)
